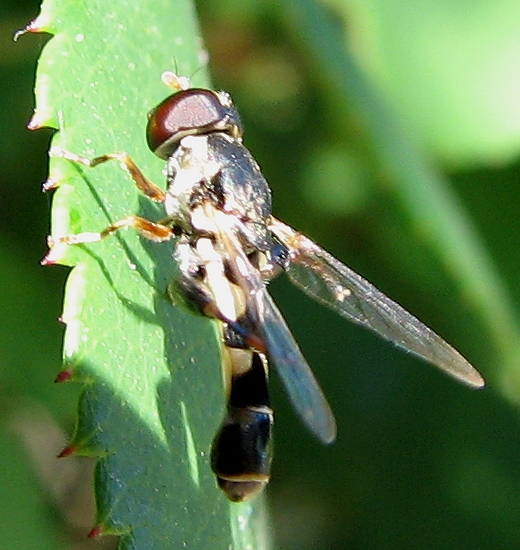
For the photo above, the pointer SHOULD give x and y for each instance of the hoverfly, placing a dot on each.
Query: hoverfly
(228, 247)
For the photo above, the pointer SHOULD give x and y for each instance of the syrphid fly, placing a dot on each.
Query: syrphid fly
(228, 246)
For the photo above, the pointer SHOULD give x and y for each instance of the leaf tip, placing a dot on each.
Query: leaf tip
(48, 259)
(49, 184)
(56, 252)
(41, 23)
(69, 450)
(64, 375)
(33, 26)
(96, 531)
(36, 122)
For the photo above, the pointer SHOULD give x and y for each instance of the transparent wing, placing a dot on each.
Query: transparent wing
(295, 373)
(280, 347)
(328, 281)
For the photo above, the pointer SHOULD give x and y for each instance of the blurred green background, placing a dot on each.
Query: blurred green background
(420, 461)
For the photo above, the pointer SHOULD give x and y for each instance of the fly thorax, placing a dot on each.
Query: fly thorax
(189, 169)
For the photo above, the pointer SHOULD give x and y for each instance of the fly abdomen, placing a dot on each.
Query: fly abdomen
(241, 453)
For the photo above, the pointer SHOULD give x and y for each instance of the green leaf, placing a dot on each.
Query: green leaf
(449, 67)
(153, 395)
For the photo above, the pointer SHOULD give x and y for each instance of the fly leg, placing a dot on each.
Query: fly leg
(154, 231)
(143, 183)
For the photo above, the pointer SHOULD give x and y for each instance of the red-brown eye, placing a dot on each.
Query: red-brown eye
(188, 112)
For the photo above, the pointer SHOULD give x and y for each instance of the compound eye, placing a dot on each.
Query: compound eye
(188, 112)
